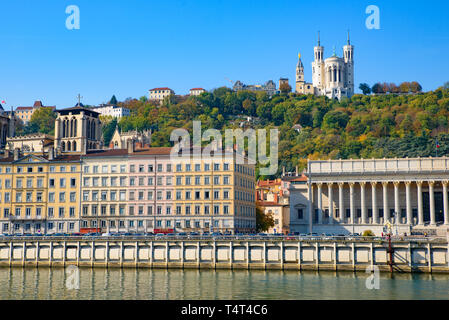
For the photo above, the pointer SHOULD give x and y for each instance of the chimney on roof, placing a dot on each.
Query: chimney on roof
(297, 171)
(37, 104)
(51, 153)
(130, 145)
(6, 154)
(16, 154)
(283, 170)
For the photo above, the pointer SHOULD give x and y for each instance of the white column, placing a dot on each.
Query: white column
(445, 203)
(341, 206)
(420, 208)
(396, 202)
(409, 203)
(374, 202)
(57, 129)
(320, 203)
(331, 202)
(385, 201)
(363, 202)
(351, 202)
(432, 203)
(310, 202)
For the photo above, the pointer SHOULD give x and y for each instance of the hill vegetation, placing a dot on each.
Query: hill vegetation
(365, 126)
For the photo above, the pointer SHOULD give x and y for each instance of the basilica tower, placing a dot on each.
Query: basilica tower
(348, 55)
(318, 67)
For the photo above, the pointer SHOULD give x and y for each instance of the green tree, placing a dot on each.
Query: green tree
(335, 119)
(42, 121)
(108, 131)
(263, 221)
(377, 88)
(366, 89)
(113, 100)
(285, 88)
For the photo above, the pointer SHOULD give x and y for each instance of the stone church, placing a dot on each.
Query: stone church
(332, 77)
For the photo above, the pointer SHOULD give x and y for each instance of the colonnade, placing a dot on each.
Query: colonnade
(364, 206)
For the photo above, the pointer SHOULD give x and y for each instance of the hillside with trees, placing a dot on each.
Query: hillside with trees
(365, 126)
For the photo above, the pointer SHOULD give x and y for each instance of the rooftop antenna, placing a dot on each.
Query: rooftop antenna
(319, 45)
(349, 41)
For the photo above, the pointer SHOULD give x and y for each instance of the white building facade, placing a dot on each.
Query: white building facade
(112, 111)
(347, 196)
(332, 77)
(160, 94)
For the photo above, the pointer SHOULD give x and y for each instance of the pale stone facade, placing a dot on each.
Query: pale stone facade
(120, 139)
(332, 77)
(78, 130)
(269, 87)
(32, 143)
(112, 111)
(25, 113)
(159, 94)
(196, 91)
(344, 196)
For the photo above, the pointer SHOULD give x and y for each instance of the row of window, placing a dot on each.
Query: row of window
(134, 168)
(21, 169)
(158, 224)
(38, 226)
(149, 181)
(38, 212)
(93, 210)
(38, 198)
(141, 168)
(39, 183)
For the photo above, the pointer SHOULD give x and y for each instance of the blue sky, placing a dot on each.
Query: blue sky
(128, 47)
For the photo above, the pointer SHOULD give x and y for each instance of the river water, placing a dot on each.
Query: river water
(86, 283)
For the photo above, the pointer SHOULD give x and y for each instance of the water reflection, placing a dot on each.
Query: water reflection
(45, 283)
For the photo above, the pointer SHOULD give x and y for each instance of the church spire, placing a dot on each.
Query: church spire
(319, 39)
(349, 41)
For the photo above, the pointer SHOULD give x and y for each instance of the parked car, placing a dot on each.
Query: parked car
(327, 236)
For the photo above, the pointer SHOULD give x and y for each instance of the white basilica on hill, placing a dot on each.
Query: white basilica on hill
(332, 77)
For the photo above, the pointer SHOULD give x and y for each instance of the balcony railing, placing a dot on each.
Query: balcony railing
(379, 165)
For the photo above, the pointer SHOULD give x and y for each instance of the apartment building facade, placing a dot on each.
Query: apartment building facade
(214, 193)
(39, 194)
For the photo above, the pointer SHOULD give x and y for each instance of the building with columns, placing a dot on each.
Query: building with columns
(347, 196)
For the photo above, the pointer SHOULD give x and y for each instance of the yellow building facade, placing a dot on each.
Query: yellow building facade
(214, 194)
(39, 194)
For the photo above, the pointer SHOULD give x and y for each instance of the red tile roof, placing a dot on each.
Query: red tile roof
(106, 153)
(197, 89)
(164, 88)
(153, 151)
